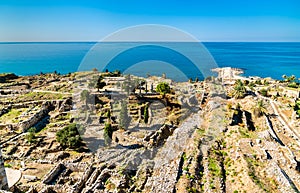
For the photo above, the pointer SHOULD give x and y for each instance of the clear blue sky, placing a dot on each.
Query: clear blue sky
(92, 20)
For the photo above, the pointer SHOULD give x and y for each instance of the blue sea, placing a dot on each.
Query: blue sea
(255, 58)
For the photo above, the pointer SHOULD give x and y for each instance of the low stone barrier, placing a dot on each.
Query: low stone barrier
(53, 173)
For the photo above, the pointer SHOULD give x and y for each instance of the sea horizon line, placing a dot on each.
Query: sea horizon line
(20, 42)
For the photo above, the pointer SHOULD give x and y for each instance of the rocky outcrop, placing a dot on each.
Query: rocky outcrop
(167, 161)
(25, 125)
(3, 179)
(90, 182)
(284, 182)
(65, 105)
(4, 111)
(272, 131)
(5, 77)
(158, 137)
(53, 174)
(79, 185)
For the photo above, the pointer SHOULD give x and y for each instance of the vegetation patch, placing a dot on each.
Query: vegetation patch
(163, 88)
(252, 163)
(12, 116)
(32, 96)
(69, 137)
(214, 167)
(30, 137)
(297, 107)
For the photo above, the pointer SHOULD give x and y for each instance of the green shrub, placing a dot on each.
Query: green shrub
(163, 88)
(264, 92)
(293, 85)
(69, 137)
(30, 137)
(258, 82)
(100, 83)
(214, 167)
(7, 165)
(297, 107)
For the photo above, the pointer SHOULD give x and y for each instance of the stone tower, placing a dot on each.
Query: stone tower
(3, 178)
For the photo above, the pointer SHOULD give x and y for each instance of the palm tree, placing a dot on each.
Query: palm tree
(259, 109)
(284, 76)
(239, 89)
(289, 79)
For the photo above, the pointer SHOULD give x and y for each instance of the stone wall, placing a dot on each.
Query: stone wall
(3, 179)
(25, 125)
(53, 173)
(77, 167)
(79, 185)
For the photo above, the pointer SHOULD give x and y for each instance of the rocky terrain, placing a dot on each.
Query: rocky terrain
(217, 135)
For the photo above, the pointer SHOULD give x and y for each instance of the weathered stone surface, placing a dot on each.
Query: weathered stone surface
(25, 125)
(3, 178)
(167, 160)
(53, 174)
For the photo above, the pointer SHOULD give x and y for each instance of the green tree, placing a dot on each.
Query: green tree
(126, 86)
(100, 83)
(30, 137)
(246, 82)
(289, 79)
(92, 83)
(292, 81)
(117, 72)
(297, 107)
(292, 78)
(163, 88)
(108, 114)
(239, 89)
(84, 96)
(284, 76)
(259, 109)
(146, 114)
(107, 134)
(258, 82)
(69, 137)
(293, 85)
(124, 119)
(251, 85)
(264, 92)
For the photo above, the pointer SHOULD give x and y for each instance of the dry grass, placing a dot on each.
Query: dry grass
(12, 116)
